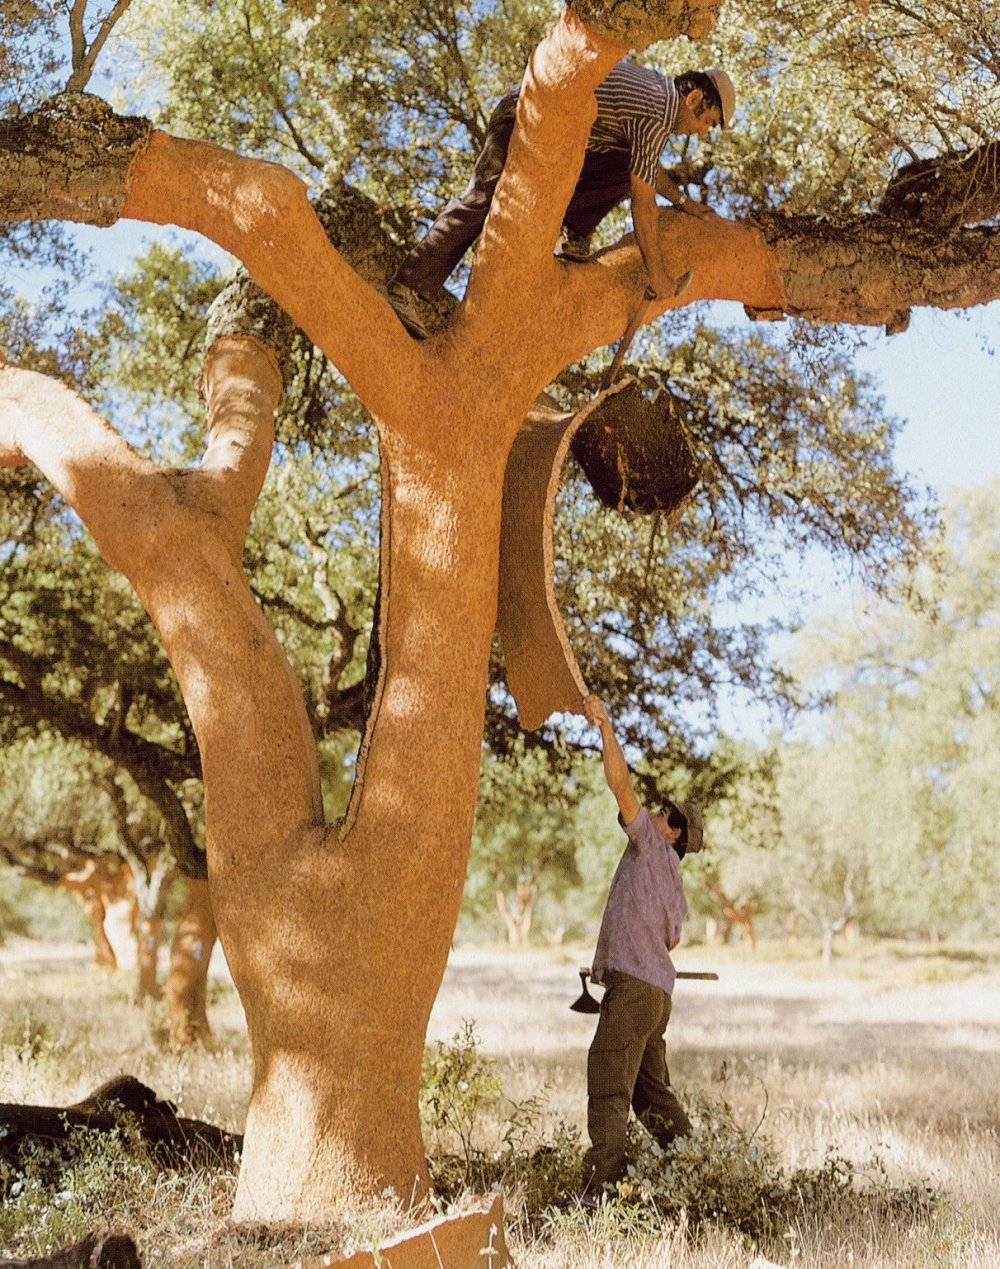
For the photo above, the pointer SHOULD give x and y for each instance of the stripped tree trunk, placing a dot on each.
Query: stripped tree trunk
(187, 978)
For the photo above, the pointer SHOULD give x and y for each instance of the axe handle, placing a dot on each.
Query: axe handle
(703, 975)
(634, 323)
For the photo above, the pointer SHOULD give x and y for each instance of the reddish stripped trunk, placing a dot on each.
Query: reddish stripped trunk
(187, 978)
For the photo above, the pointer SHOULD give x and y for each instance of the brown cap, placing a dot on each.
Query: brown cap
(695, 825)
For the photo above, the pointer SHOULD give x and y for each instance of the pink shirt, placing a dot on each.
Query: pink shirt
(645, 910)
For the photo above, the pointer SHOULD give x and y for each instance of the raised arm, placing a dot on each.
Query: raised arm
(615, 767)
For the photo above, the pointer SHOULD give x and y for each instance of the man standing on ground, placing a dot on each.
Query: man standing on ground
(642, 922)
(638, 110)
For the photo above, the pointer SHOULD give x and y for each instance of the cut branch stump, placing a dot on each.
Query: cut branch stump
(97, 1251)
(172, 1141)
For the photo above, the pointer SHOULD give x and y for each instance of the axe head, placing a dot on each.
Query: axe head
(585, 1003)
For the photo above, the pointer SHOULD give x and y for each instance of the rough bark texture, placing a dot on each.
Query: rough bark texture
(950, 190)
(634, 450)
(337, 937)
(638, 23)
(68, 160)
(870, 270)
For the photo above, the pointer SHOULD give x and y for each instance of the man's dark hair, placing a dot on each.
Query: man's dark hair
(698, 79)
(677, 819)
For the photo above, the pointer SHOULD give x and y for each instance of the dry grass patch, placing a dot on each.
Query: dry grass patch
(884, 1070)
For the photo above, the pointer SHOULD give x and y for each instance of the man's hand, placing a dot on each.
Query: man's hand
(595, 712)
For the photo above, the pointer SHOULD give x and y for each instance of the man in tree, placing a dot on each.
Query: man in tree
(638, 110)
(642, 921)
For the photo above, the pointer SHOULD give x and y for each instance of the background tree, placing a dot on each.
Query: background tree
(906, 742)
(735, 885)
(444, 447)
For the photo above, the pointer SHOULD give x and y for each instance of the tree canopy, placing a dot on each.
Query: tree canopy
(899, 774)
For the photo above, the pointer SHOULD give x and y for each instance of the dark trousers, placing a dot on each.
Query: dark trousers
(627, 1066)
(604, 182)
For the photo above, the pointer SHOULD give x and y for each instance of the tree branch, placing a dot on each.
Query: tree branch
(84, 59)
(151, 766)
(122, 745)
(868, 270)
(639, 23)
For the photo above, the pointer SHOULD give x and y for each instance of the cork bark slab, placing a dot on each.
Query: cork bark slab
(635, 454)
(472, 1240)
(542, 673)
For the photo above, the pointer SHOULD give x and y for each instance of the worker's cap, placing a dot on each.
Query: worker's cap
(694, 835)
(727, 100)
(692, 838)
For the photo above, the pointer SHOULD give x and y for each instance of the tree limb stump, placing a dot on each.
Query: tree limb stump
(97, 1251)
(171, 1140)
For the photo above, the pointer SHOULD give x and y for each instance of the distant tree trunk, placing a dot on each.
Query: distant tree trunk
(187, 978)
(150, 864)
(519, 914)
(842, 921)
(119, 926)
(147, 939)
(732, 912)
(104, 953)
(91, 886)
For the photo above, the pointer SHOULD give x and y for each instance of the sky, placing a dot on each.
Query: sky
(941, 377)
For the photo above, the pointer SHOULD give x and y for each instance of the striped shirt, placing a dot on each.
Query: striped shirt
(636, 111)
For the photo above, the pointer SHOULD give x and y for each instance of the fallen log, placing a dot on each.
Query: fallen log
(97, 1251)
(120, 1103)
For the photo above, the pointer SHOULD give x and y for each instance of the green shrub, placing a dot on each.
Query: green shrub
(729, 1177)
(722, 1175)
(499, 1142)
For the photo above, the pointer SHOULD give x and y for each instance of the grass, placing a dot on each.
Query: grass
(849, 1114)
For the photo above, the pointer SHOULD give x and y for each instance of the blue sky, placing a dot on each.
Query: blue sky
(943, 377)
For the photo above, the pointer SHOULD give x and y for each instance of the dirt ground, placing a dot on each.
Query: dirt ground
(904, 1038)
(520, 1002)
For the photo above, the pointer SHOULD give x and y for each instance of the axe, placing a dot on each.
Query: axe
(586, 1003)
(635, 321)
